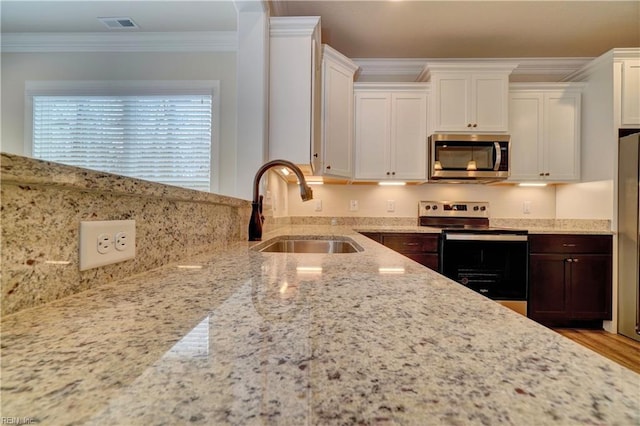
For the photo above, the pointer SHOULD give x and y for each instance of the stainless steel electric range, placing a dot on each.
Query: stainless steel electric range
(491, 261)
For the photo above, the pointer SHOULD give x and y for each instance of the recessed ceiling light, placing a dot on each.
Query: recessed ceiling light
(118, 23)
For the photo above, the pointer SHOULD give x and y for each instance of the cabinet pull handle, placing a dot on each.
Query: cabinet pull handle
(411, 244)
(568, 245)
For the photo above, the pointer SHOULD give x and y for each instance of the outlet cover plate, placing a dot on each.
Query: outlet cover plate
(88, 247)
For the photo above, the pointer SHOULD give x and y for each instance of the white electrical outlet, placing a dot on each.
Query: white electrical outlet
(318, 206)
(526, 207)
(103, 242)
(391, 205)
(353, 205)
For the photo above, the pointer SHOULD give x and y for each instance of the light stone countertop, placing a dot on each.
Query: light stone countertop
(431, 230)
(294, 339)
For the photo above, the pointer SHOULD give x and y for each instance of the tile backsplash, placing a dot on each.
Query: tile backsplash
(43, 204)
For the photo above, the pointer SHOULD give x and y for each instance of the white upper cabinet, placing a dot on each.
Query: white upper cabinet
(337, 113)
(545, 132)
(470, 98)
(294, 91)
(630, 112)
(391, 131)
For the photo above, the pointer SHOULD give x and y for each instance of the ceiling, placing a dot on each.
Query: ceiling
(375, 29)
(24, 16)
(472, 29)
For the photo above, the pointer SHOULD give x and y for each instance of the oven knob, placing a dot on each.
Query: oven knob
(483, 208)
(427, 207)
(435, 207)
(475, 208)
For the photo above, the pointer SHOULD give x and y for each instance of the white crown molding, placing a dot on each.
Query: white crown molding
(536, 87)
(398, 66)
(605, 60)
(559, 67)
(395, 86)
(293, 26)
(329, 52)
(193, 41)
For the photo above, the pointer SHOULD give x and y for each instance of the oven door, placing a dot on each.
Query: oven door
(495, 265)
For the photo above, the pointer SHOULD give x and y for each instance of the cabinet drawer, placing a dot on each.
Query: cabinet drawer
(565, 243)
(430, 260)
(411, 243)
(375, 236)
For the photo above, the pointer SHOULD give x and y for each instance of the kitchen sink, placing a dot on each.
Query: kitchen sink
(306, 245)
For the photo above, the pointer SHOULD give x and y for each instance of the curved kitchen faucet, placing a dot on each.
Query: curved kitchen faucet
(256, 220)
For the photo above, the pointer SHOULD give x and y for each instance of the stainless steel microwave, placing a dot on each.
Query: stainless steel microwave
(469, 158)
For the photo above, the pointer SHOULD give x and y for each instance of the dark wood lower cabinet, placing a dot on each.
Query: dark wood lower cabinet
(570, 280)
(423, 248)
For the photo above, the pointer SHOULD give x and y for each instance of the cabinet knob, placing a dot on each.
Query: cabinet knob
(315, 155)
(469, 125)
(328, 167)
(541, 174)
(393, 173)
(388, 173)
(575, 260)
(546, 174)
(569, 260)
(475, 124)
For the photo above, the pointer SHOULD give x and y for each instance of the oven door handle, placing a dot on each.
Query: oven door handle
(498, 151)
(486, 237)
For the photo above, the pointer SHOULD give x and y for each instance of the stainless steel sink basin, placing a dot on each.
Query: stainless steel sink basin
(301, 245)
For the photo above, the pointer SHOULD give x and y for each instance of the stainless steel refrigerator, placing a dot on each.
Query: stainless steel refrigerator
(628, 236)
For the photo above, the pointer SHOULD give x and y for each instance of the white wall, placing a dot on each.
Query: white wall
(16, 68)
(588, 200)
(506, 201)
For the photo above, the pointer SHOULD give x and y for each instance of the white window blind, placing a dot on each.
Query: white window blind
(161, 138)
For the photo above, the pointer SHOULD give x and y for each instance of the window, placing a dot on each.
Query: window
(158, 131)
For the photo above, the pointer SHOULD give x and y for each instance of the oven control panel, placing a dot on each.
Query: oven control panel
(453, 209)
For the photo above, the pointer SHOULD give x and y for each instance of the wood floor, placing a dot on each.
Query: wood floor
(618, 348)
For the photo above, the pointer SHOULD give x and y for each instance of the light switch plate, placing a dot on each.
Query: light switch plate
(103, 242)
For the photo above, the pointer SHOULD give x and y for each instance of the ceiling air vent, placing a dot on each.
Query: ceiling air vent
(118, 23)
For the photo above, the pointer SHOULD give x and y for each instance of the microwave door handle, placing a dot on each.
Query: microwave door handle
(496, 147)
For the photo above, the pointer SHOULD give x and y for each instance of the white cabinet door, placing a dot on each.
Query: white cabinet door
(562, 136)
(408, 136)
(337, 119)
(452, 102)
(525, 127)
(631, 93)
(489, 102)
(294, 53)
(471, 102)
(391, 134)
(372, 134)
(545, 135)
